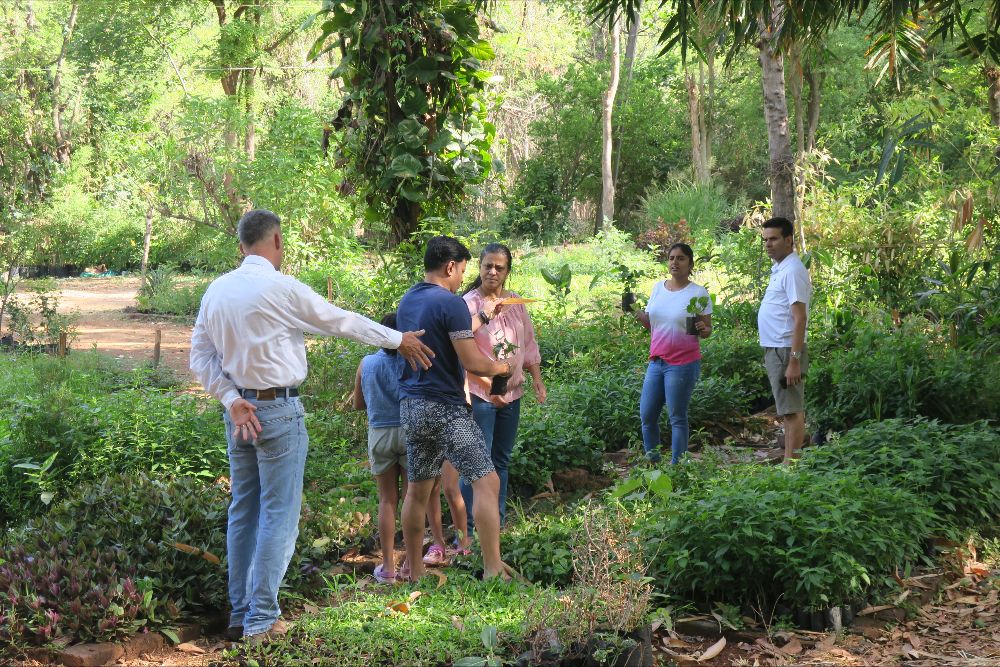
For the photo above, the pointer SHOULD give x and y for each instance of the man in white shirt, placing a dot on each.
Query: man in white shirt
(248, 351)
(781, 322)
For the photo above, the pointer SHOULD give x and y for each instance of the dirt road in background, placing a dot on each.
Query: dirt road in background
(102, 320)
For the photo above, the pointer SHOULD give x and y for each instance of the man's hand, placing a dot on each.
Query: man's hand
(414, 351)
(243, 414)
(793, 373)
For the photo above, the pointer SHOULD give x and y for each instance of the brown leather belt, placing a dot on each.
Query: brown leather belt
(271, 394)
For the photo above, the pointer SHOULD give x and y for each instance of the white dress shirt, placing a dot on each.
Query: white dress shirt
(249, 331)
(789, 284)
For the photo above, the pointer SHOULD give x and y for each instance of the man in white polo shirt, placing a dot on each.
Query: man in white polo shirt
(248, 351)
(781, 322)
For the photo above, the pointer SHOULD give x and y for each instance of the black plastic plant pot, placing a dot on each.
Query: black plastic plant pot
(803, 619)
(818, 620)
(691, 321)
(498, 386)
(847, 615)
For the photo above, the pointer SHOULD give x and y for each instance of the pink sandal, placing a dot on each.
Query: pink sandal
(435, 556)
(383, 577)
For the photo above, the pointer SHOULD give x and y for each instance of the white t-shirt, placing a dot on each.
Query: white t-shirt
(668, 315)
(789, 284)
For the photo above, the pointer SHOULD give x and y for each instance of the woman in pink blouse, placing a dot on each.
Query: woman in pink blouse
(498, 415)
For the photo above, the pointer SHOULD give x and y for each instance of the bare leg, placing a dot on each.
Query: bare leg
(449, 481)
(486, 512)
(795, 429)
(388, 501)
(414, 513)
(434, 514)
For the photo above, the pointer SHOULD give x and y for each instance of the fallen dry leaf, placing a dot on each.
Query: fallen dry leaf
(872, 610)
(793, 647)
(909, 652)
(675, 642)
(401, 607)
(414, 595)
(310, 609)
(713, 650)
(458, 623)
(188, 647)
(442, 578)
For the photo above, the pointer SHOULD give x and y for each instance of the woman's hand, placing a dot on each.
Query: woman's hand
(499, 401)
(492, 307)
(703, 325)
(541, 393)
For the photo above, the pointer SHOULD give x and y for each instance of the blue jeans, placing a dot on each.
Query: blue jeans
(499, 426)
(266, 479)
(673, 385)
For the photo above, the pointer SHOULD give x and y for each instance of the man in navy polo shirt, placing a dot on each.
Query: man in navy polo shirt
(437, 422)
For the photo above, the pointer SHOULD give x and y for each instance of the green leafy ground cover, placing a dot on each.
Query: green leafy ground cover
(82, 434)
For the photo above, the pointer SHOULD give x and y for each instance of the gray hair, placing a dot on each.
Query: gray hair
(255, 225)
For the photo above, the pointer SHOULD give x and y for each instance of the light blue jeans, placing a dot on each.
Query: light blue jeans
(499, 427)
(266, 479)
(673, 385)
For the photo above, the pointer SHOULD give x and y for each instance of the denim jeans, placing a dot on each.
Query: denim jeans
(673, 385)
(266, 479)
(499, 426)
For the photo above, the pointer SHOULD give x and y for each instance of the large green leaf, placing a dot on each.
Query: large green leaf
(404, 166)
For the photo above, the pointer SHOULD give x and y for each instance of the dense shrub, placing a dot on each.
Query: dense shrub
(541, 547)
(809, 539)
(904, 372)
(90, 434)
(955, 470)
(162, 292)
(113, 557)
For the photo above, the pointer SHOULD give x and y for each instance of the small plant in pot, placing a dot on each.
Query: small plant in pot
(629, 279)
(503, 349)
(695, 308)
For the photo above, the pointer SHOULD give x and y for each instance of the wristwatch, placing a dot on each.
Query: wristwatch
(795, 355)
(483, 317)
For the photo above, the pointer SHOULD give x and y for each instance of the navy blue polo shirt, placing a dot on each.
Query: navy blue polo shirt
(444, 317)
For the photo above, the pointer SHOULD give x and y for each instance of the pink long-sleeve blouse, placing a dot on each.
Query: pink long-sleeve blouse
(515, 323)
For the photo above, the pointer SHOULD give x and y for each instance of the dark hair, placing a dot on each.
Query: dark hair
(784, 224)
(254, 225)
(444, 249)
(389, 320)
(490, 249)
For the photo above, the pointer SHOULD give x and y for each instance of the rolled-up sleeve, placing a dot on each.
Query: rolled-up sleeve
(309, 312)
(206, 365)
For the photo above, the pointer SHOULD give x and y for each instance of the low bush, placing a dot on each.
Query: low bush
(162, 292)
(89, 435)
(955, 470)
(883, 373)
(114, 556)
(541, 547)
(809, 539)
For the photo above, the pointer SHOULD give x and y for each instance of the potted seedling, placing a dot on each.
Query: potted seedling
(629, 280)
(695, 307)
(503, 349)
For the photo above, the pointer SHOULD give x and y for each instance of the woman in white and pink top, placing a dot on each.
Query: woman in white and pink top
(674, 355)
(499, 415)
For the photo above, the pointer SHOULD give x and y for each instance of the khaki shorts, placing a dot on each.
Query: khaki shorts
(787, 400)
(386, 448)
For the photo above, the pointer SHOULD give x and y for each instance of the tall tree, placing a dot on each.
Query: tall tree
(607, 145)
(412, 133)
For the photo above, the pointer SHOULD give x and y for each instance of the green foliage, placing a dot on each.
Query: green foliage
(541, 547)
(884, 372)
(37, 321)
(810, 539)
(955, 470)
(161, 292)
(106, 561)
(362, 628)
(415, 83)
(704, 207)
(97, 420)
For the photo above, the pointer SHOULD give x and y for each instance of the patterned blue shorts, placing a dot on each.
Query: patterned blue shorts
(437, 431)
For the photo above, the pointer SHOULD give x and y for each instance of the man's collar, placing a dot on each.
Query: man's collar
(775, 265)
(257, 260)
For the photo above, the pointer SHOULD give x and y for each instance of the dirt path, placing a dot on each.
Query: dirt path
(103, 323)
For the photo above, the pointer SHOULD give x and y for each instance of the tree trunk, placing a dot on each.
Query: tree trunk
(250, 138)
(630, 46)
(403, 221)
(62, 149)
(607, 177)
(993, 94)
(795, 84)
(815, 80)
(706, 98)
(782, 163)
(696, 118)
(147, 237)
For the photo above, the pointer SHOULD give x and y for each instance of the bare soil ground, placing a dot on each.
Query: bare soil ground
(104, 322)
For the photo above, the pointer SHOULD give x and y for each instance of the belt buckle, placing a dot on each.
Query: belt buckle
(266, 394)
